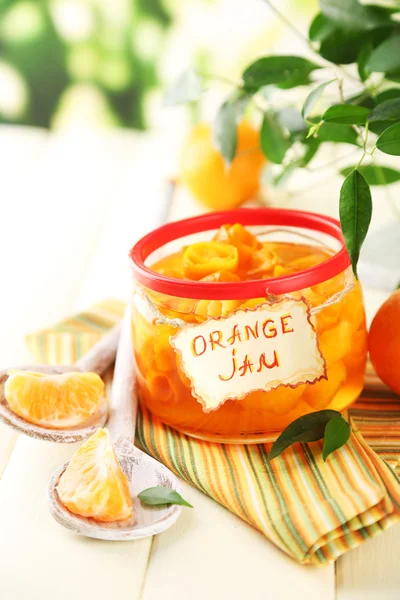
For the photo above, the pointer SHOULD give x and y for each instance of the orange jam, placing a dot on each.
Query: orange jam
(234, 256)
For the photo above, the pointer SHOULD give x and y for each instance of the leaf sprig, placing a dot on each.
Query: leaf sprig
(322, 424)
(345, 32)
(160, 495)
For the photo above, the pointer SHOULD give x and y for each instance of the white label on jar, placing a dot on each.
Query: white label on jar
(252, 349)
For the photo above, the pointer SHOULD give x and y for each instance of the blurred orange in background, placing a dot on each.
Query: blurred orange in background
(216, 185)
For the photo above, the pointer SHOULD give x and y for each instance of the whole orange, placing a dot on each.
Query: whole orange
(204, 172)
(384, 342)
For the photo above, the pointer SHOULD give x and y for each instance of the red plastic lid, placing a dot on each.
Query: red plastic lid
(243, 289)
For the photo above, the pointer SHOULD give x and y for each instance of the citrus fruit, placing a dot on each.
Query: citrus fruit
(279, 401)
(206, 258)
(222, 277)
(210, 180)
(54, 401)
(384, 342)
(263, 263)
(93, 484)
(242, 239)
(320, 394)
(336, 343)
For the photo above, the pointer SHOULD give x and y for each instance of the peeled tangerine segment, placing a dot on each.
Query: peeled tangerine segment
(279, 401)
(205, 258)
(54, 401)
(93, 484)
(161, 387)
(237, 235)
(262, 263)
(336, 343)
(221, 277)
(216, 308)
(320, 394)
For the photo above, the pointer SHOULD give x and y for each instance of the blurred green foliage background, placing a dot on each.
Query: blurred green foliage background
(112, 52)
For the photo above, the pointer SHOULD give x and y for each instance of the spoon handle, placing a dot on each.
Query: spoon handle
(101, 355)
(123, 406)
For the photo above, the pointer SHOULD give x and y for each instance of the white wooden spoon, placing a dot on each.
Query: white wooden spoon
(141, 470)
(99, 358)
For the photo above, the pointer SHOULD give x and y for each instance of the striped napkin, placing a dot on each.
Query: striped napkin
(313, 511)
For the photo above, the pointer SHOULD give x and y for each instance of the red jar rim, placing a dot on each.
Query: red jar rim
(241, 289)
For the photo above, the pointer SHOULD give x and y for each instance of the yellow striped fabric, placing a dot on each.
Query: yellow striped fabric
(313, 511)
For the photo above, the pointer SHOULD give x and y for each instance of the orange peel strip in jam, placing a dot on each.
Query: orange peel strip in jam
(206, 258)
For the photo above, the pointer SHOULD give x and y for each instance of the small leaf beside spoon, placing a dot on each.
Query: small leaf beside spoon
(159, 495)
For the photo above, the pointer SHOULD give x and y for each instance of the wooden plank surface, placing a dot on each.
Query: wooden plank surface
(371, 571)
(8, 438)
(41, 560)
(210, 553)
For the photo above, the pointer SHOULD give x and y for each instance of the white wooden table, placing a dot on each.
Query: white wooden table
(71, 208)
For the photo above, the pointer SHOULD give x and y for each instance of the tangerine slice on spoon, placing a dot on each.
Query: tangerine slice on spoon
(93, 484)
(55, 401)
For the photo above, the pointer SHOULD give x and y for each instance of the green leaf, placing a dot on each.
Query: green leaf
(312, 147)
(389, 141)
(362, 99)
(313, 98)
(187, 88)
(379, 127)
(337, 433)
(277, 70)
(388, 95)
(158, 495)
(346, 114)
(295, 80)
(355, 213)
(225, 130)
(362, 60)
(312, 131)
(395, 76)
(350, 14)
(386, 57)
(225, 124)
(388, 110)
(320, 28)
(241, 98)
(274, 143)
(375, 174)
(308, 428)
(340, 134)
(343, 46)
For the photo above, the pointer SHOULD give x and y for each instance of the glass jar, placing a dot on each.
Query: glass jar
(237, 361)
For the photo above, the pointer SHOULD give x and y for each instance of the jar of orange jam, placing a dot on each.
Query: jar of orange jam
(243, 321)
